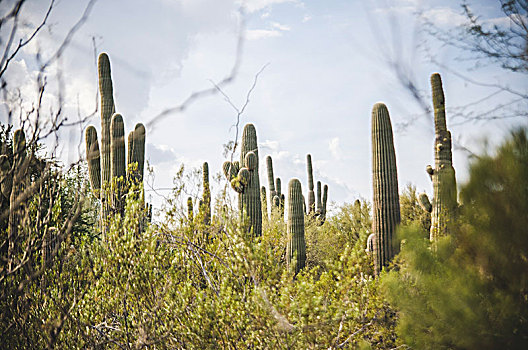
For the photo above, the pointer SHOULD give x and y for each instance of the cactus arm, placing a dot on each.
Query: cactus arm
(271, 179)
(138, 152)
(424, 202)
(94, 160)
(325, 199)
(319, 207)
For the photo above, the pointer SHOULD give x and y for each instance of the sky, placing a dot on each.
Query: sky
(322, 64)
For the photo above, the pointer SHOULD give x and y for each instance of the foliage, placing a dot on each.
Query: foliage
(471, 291)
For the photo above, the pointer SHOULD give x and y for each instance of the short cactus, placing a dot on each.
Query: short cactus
(246, 181)
(444, 201)
(296, 246)
(386, 203)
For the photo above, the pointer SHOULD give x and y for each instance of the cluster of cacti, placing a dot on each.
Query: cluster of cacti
(110, 180)
(276, 197)
(244, 179)
(386, 202)
(318, 211)
(444, 202)
(296, 244)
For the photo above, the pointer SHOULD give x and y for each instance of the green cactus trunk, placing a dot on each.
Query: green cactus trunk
(107, 110)
(244, 179)
(386, 203)
(190, 215)
(319, 207)
(311, 194)
(205, 206)
(264, 203)
(296, 246)
(325, 199)
(443, 175)
(117, 164)
(250, 197)
(271, 179)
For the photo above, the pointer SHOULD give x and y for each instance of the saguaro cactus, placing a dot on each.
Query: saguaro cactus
(205, 203)
(244, 179)
(386, 203)
(311, 194)
(264, 203)
(271, 179)
(444, 201)
(296, 246)
(112, 152)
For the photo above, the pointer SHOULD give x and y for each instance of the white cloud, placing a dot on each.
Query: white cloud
(335, 149)
(256, 5)
(306, 18)
(269, 145)
(280, 26)
(255, 34)
(444, 16)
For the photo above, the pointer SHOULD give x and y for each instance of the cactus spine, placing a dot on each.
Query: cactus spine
(444, 202)
(311, 194)
(386, 204)
(296, 246)
(108, 164)
(247, 182)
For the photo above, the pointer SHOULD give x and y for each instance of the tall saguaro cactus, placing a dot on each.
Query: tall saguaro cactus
(205, 203)
(296, 246)
(386, 203)
(311, 194)
(109, 164)
(444, 201)
(244, 179)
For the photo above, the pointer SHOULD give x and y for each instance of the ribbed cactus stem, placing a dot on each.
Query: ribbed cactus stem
(117, 153)
(296, 246)
(311, 194)
(271, 179)
(278, 187)
(190, 215)
(386, 204)
(370, 243)
(137, 154)
(263, 198)
(443, 175)
(250, 198)
(107, 110)
(325, 199)
(319, 207)
(205, 207)
(93, 157)
(424, 202)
